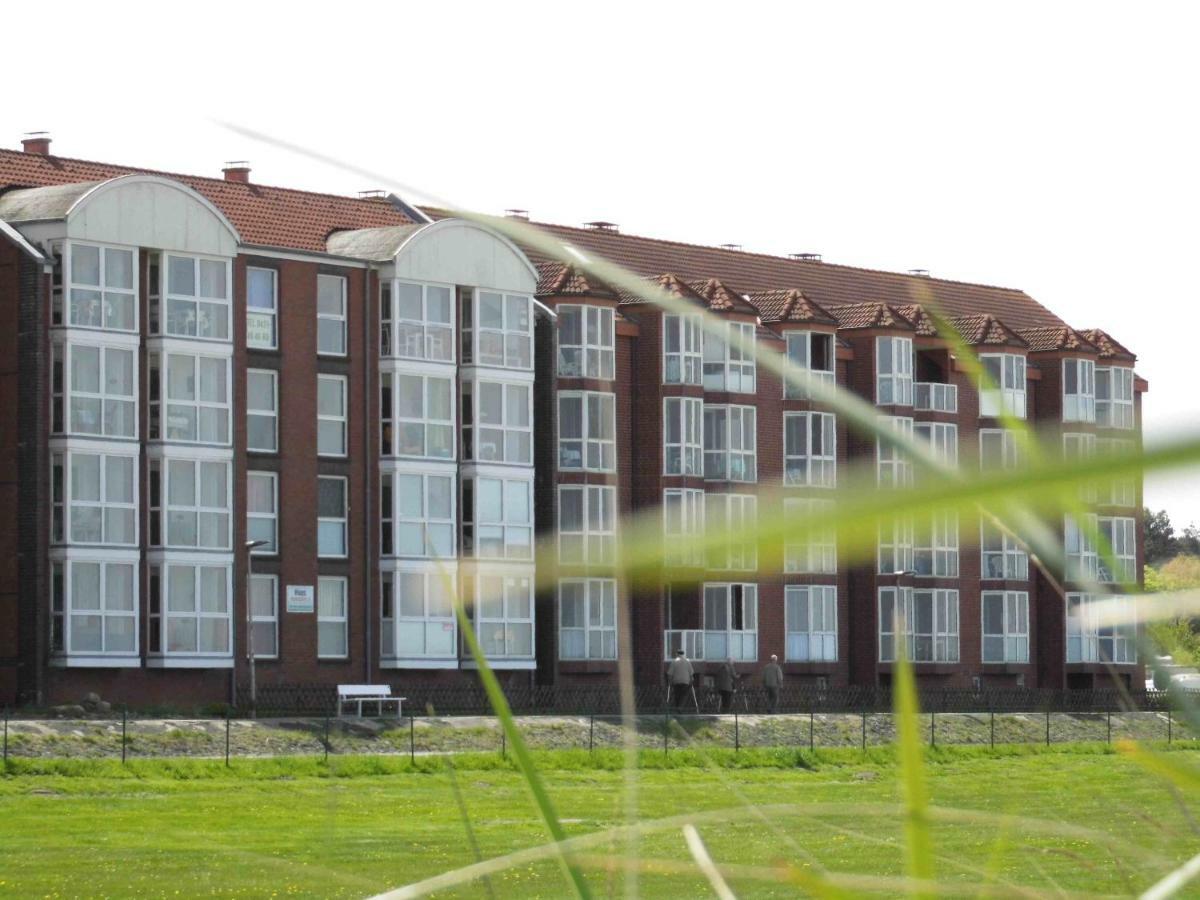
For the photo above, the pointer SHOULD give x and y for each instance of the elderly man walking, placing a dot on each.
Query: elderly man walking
(773, 680)
(679, 676)
(726, 678)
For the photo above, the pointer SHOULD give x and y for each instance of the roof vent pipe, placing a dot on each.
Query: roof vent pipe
(806, 257)
(522, 214)
(610, 227)
(237, 170)
(37, 142)
(371, 195)
(920, 273)
(731, 246)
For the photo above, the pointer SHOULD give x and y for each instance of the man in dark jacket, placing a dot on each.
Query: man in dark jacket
(679, 676)
(726, 678)
(773, 681)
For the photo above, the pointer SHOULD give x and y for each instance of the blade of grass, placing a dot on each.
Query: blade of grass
(918, 842)
(705, 864)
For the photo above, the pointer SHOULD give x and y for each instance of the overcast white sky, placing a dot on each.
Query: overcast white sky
(1051, 147)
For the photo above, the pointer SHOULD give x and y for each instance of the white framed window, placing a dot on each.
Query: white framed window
(262, 511)
(737, 516)
(1080, 544)
(102, 283)
(730, 443)
(894, 469)
(1117, 491)
(998, 450)
(417, 413)
(331, 315)
(423, 322)
(94, 498)
(1114, 397)
(810, 449)
(683, 337)
(587, 618)
(942, 438)
(927, 620)
(587, 524)
(197, 297)
(729, 362)
(587, 431)
(331, 415)
(264, 615)
(810, 357)
(262, 410)
(418, 615)
(586, 342)
(98, 386)
(502, 614)
(812, 550)
(1005, 626)
(683, 526)
(333, 620)
(198, 498)
(190, 612)
(1088, 641)
(896, 547)
(417, 510)
(1001, 557)
(935, 546)
(1079, 390)
(893, 371)
(497, 422)
(730, 621)
(94, 607)
(1004, 394)
(1121, 534)
(502, 329)
(331, 516)
(1077, 446)
(497, 518)
(935, 396)
(191, 404)
(262, 301)
(683, 436)
(810, 616)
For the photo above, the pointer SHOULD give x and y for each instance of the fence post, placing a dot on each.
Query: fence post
(1168, 724)
(992, 736)
(592, 733)
(325, 743)
(932, 728)
(864, 730)
(124, 720)
(666, 728)
(1108, 723)
(811, 746)
(6, 738)
(412, 738)
(737, 737)
(1047, 726)
(227, 737)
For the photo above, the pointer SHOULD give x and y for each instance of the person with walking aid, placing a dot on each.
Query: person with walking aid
(679, 676)
(773, 680)
(726, 678)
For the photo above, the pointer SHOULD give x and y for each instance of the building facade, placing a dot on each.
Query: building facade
(242, 419)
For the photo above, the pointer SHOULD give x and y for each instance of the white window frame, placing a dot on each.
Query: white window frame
(942, 438)
(737, 515)
(327, 422)
(515, 534)
(64, 394)
(266, 317)
(437, 532)
(327, 523)
(940, 644)
(999, 547)
(731, 443)
(819, 468)
(161, 613)
(499, 634)
(268, 620)
(1081, 446)
(1083, 562)
(683, 526)
(1088, 641)
(509, 436)
(594, 354)
(724, 642)
(727, 367)
(393, 386)
(1079, 405)
(101, 302)
(1114, 397)
(596, 614)
(202, 305)
(935, 548)
(418, 338)
(435, 630)
(335, 619)
(593, 452)
(683, 343)
(263, 413)
(163, 407)
(1121, 534)
(799, 372)
(1117, 491)
(594, 542)
(893, 466)
(895, 546)
(166, 470)
(65, 501)
(1010, 455)
(64, 612)
(815, 551)
(331, 319)
(515, 343)
(272, 517)
(810, 623)
(893, 387)
(687, 413)
(1013, 636)
(1006, 395)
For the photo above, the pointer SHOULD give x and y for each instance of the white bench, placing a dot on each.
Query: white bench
(367, 693)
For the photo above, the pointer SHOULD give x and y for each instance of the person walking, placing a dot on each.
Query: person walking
(726, 677)
(679, 676)
(772, 677)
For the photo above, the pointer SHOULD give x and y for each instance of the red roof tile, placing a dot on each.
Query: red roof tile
(921, 321)
(790, 305)
(556, 279)
(266, 216)
(986, 329)
(870, 315)
(722, 298)
(1061, 337)
(1109, 346)
(672, 284)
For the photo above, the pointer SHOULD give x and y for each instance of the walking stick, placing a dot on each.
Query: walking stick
(695, 702)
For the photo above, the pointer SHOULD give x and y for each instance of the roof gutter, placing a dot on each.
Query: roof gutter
(19, 239)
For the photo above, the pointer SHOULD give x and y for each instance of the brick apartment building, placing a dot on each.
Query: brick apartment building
(399, 403)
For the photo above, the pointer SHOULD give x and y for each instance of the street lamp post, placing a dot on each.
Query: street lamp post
(250, 545)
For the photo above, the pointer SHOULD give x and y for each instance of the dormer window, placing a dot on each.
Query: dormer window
(1114, 397)
(810, 357)
(893, 371)
(729, 364)
(1079, 390)
(1003, 393)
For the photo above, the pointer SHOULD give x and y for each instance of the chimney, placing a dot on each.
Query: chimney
(600, 225)
(806, 257)
(237, 170)
(36, 142)
(373, 194)
(731, 246)
(920, 273)
(522, 214)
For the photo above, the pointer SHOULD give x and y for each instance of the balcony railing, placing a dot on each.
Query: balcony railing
(712, 645)
(929, 396)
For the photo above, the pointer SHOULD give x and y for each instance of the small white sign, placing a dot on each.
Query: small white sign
(260, 330)
(299, 598)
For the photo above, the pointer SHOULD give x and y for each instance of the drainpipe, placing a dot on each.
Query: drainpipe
(368, 468)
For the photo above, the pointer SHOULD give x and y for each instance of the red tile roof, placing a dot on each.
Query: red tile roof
(722, 298)
(556, 279)
(1057, 338)
(986, 329)
(266, 216)
(672, 284)
(921, 321)
(790, 305)
(1109, 346)
(870, 315)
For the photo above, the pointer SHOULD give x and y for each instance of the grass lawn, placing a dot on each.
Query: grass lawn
(359, 826)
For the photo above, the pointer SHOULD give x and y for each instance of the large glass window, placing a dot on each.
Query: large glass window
(262, 301)
(262, 410)
(927, 620)
(424, 322)
(504, 329)
(102, 287)
(810, 449)
(418, 615)
(736, 515)
(331, 415)
(729, 363)
(942, 438)
(730, 443)
(1005, 395)
(893, 371)
(1080, 543)
(1114, 397)
(197, 292)
(935, 550)
(1089, 641)
(502, 614)
(1081, 447)
(98, 492)
(812, 548)
(895, 468)
(810, 614)
(497, 422)
(1005, 626)
(896, 547)
(331, 315)
(198, 501)
(587, 524)
(998, 449)
(264, 615)
(418, 515)
(587, 618)
(683, 526)
(1117, 491)
(1002, 558)
(497, 518)
(101, 391)
(333, 619)
(331, 516)
(1079, 390)
(810, 357)
(94, 607)
(262, 510)
(586, 342)
(193, 404)
(418, 416)
(730, 622)
(587, 431)
(683, 438)
(682, 340)
(190, 612)
(1121, 535)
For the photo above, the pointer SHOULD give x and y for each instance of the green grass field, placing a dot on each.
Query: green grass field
(359, 826)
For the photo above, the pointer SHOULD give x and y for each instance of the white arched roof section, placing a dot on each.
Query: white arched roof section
(455, 251)
(151, 211)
